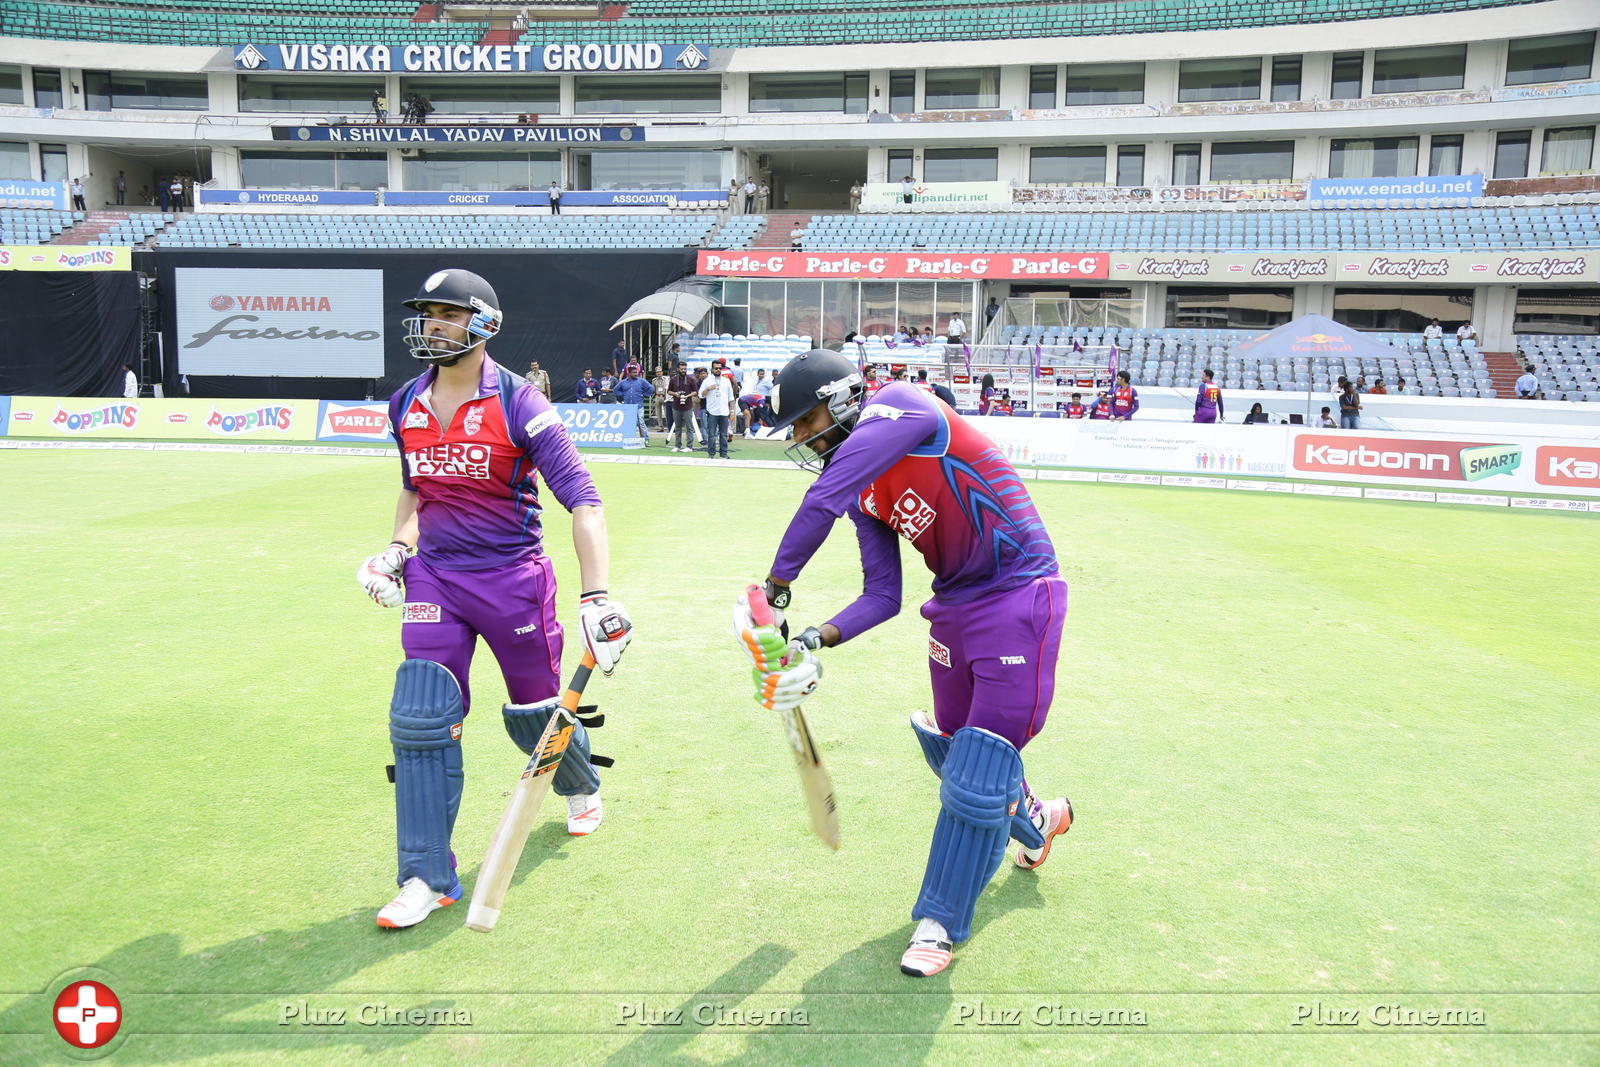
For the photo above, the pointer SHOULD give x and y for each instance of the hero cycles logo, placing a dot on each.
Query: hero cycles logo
(265, 418)
(249, 305)
(454, 459)
(1451, 461)
(125, 416)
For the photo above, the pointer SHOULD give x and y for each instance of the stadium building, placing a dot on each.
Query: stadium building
(1172, 179)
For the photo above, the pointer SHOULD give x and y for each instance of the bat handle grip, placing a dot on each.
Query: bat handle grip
(760, 610)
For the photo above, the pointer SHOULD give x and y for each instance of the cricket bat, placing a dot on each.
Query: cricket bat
(814, 780)
(505, 847)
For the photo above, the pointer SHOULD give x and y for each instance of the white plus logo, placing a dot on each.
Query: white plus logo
(87, 1014)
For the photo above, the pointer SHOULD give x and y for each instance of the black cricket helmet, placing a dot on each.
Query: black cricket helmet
(454, 288)
(819, 376)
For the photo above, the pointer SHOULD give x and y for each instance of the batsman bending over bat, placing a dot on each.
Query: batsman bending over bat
(467, 559)
(902, 462)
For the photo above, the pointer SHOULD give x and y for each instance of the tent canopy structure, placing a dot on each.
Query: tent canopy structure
(685, 304)
(1311, 336)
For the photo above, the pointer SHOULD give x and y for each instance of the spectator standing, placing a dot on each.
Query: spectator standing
(555, 199)
(619, 357)
(424, 109)
(587, 391)
(955, 329)
(763, 198)
(870, 381)
(164, 195)
(1075, 409)
(855, 197)
(750, 189)
(1208, 401)
(380, 107)
(77, 195)
(608, 387)
(538, 378)
(659, 411)
(1101, 408)
(990, 310)
(1528, 384)
(987, 394)
(634, 388)
(146, 197)
(733, 195)
(1433, 331)
(700, 378)
(130, 383)
(753, 401)
(796, 235)
(907, 189)
(122, 188)
(717, 394)
(1124, 398)
(175, 193)
(681, 390)
(1466, 331)
(1349, 406)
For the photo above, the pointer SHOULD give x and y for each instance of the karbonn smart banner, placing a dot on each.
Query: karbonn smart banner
(948, 265)
(279, 322)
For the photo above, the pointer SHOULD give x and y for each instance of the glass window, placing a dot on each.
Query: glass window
(958, 87)
(803, 316)
(902, 92)
(1286, 78)
(457, 171)
(807, 92)
(1563, 57)
(1557, 310)
(1078, 164)
(855, 93)
(46, 87)
(339, 95)
(1130, 165)
(1511, 153)
(660, 168)
(901, 163)
(1348, 68)
(951, 298)
(1412, 70)
(1218, 307)
(169, 92)
(656, 94)
(1185, 164)
(11, 85)
(839, 302)
(917, 305)
(877, 308)
(1567, 151)
(1219, 79)
(53, 162)
(1105, 83)
(14, 162)
(766, 306)
(1402, 310)
(1444, 153)
(486, 96)
(963, 165)
(1252, 161)
(1373, 157)
(1042, 87)
(286, 170)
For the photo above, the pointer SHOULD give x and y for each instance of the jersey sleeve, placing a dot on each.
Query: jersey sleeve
(537, 426)
(880, 578)
(891, 425)
(397, 406)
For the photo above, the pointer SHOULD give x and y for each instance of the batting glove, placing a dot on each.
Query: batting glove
(606, 628)
(783, 690)
(763, 644)
(381, 575)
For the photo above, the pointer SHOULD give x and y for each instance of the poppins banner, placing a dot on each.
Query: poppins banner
(890, 196)
(512, 134)
(756, 263)
(65, 257)
(349, 420)
(1453, 187)
(216, 420)
(346, 58)
(279, 322)
(602, 425)
(35, 194)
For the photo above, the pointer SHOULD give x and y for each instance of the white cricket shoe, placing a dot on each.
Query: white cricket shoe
(415, 902)
(1053, 817)
(583, 814)
(929, 951)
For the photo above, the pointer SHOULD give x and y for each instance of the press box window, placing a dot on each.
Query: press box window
(1042, 87)
(902, 92)
(490, 96)
(1185, 164)
(1559, 58)
(1417, 70)
(613, 94)
(962, 165)
(974, 87)
(1373, 157)
(11, 85)
(1091, 84)
(1201, 80)
(1286, 78)
(1444, 153)
(1511, 154)
(1252, 161)
(1068, 165)
(1348, 69)
(846, 93)
(166, 92)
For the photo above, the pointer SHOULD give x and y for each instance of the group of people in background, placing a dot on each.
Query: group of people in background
(754, 197)
(415, 108)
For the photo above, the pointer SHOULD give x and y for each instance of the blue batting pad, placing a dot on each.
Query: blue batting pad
(936, 747)
(425, 729)
(526, 722)
(982, 783)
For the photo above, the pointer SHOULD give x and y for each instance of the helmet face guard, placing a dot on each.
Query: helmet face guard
(816, 378)
(457, 289)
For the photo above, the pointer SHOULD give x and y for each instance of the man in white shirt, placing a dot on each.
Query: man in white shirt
(956, 330)
(750, 190)
(1433, 331)
(907, 188)
(1466, 332)
(130, 383)
(1528, 384)
(716, 393)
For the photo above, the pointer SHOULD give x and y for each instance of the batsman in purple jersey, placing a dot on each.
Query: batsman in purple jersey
(903, 464)
(467, 560)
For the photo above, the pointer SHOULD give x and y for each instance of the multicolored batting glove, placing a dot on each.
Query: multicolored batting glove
(785, 688)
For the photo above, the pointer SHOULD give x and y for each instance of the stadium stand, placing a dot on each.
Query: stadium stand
(203, 23)
(753, 351)
(34, 226)
(221, 230)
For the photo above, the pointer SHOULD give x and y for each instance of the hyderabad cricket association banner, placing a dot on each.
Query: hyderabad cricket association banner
(160, 419)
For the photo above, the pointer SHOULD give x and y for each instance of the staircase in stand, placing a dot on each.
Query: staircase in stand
(1505, 368)
(779, 223)
(93, 225)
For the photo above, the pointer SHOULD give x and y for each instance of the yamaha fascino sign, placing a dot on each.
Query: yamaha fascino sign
(340, 58)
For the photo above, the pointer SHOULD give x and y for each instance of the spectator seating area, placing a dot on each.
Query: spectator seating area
(718, 23)
(737, 232)
(753, 351)
(1555, 226)
(201, 22)
(34, 226)
(138, 228)
(1175, 357)
(222, 230)
(1567, 366)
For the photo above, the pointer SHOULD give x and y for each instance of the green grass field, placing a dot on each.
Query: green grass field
(1326, 755)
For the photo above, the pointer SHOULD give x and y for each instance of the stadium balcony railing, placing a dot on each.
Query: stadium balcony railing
(1571, 226)
(223, 230)
(738, 23)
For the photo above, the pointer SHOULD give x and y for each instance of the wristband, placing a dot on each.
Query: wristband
(778, 596)
(593, 594)
(810, 638)
(407, 549)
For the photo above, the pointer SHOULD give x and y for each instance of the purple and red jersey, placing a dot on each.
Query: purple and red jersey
(1124, 401)
(1208, 402)
(478, 502)
(915, 468)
